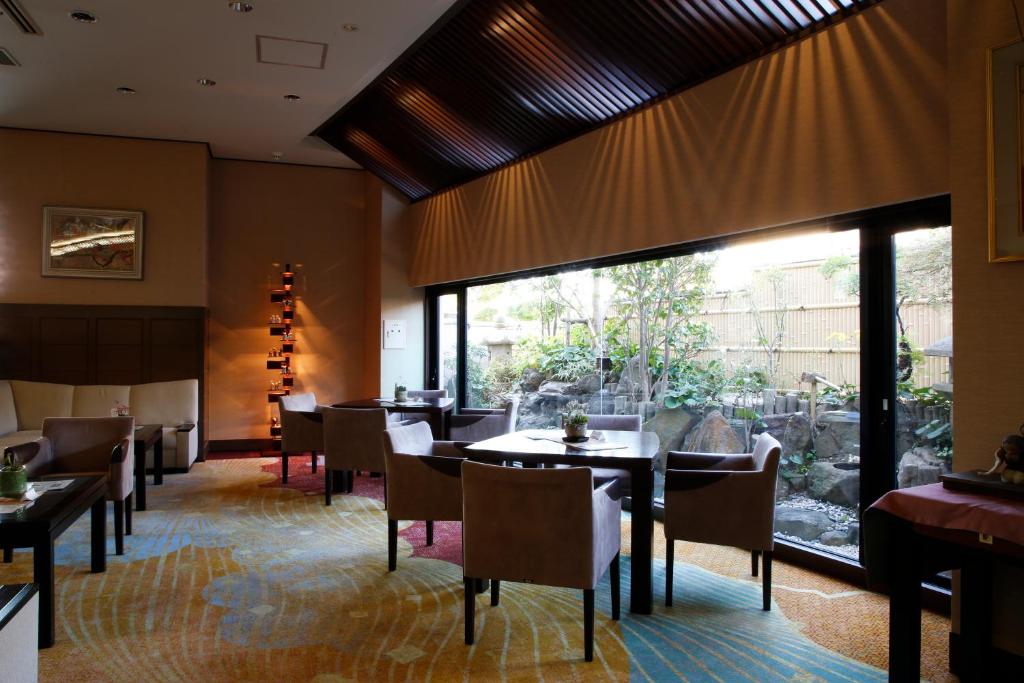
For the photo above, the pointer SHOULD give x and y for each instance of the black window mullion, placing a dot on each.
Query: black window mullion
(463, 346)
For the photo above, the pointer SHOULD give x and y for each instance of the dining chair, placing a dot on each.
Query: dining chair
(302, 429)
(724, 499)
(510, 534)
(418, 394)
(95, 445)
(354, 440)
(424, 481)
(479, 424)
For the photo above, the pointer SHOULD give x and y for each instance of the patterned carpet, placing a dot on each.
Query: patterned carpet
(232, 577)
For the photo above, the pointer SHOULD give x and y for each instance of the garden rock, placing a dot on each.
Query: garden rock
(793, 431)
(838, 537)
(531, 380)
(591, 384)
(920, 466)
(804, 524)
(555, 389)
(714, 434)
(837, 435)
(825, 481)
(630, 378)
(671, 425)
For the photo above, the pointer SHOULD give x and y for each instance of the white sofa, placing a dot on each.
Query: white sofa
(175, 405)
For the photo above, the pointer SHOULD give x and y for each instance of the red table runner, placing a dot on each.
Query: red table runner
(935, 505)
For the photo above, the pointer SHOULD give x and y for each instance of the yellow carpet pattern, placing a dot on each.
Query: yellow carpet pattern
(228, 580)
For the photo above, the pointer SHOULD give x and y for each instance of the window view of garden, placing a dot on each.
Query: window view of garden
(714, 348)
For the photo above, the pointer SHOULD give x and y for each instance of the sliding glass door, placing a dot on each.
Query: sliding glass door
(816, 337)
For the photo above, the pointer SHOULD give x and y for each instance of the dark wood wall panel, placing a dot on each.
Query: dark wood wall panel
(104, 345)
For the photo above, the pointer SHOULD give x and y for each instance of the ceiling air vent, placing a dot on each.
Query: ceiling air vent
(7, 59)
(19, 16)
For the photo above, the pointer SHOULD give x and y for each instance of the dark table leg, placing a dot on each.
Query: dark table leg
(99, 535)
(905, 616)
(436, 421)
(641, 540)
(975, 619)
(42, 560)
(158, 461)
(140, 476)
(446, 429)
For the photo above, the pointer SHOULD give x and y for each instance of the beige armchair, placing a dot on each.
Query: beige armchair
(302, 429)
(477, 424)
(725, 500)
(424, 481)
(353, 441)
(96, 445)
(614, 423)
(509, 533)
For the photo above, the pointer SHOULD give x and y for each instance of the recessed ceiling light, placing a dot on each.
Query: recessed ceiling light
(350, 28)
(207, 82)
(240, 6)
(292, 98)
(125, 90)
(83, 16)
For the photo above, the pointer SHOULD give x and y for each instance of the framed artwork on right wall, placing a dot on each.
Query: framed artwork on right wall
(1006, 153)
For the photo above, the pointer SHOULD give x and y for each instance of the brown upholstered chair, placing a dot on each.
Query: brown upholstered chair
(477, 424)
(353, 441)
(302, 429)
(544, 526)
(96, 445)
(418, 394)
(424, 481)
(614, 423)
(725, 500)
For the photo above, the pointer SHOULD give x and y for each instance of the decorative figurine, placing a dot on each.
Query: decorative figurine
(1009, 462)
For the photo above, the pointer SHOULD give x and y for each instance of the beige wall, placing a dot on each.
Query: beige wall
(263, 216)
(988, 325)
(849, 118)
(166, 180)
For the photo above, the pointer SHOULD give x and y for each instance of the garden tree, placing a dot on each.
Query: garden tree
(924, 274)
(770, 318)
(662, 298)
(563, 298)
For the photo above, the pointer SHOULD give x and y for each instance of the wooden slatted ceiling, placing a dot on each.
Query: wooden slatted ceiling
(497, 80)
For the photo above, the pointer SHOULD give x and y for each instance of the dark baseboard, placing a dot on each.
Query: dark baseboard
(1001, 665)
(221, 445)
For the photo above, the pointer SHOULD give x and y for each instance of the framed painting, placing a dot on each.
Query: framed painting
(99, 243)
(1006, 153)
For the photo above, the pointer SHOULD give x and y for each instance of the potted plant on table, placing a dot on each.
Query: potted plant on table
(13, 476)
(401, 393)
(574, 421)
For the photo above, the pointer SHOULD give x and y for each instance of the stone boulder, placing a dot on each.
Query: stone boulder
(531, 380)
(838, 537)
(590, 384)
(713, 434)
(793, 431)
(671, 425)
(827, 482)
(804, 524)
(920, 466)
(630, 379)
(554, 389)
(837, 435)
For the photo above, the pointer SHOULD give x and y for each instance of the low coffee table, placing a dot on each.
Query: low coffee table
(146, 437)
(39, 525)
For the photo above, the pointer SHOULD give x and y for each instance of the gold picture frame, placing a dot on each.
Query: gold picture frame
(1006, 152)
(93, 243)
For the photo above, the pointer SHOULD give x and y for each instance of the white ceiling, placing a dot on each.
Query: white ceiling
(68, 75)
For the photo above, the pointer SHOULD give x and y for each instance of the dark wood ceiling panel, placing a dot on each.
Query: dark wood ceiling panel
(496, 80)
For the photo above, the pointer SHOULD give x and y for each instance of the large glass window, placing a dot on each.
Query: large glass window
(712, 348)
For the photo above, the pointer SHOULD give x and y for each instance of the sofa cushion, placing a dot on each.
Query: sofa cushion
(37, 400)
(166, 403)
(97, 400)
(8, 415)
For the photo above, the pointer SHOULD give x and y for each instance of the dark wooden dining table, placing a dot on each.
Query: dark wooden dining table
(637, 457)
(437, 410)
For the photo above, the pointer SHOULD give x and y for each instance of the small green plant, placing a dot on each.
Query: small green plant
(801, 462)
(12, 462)
(846, 393)
(575, 414)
